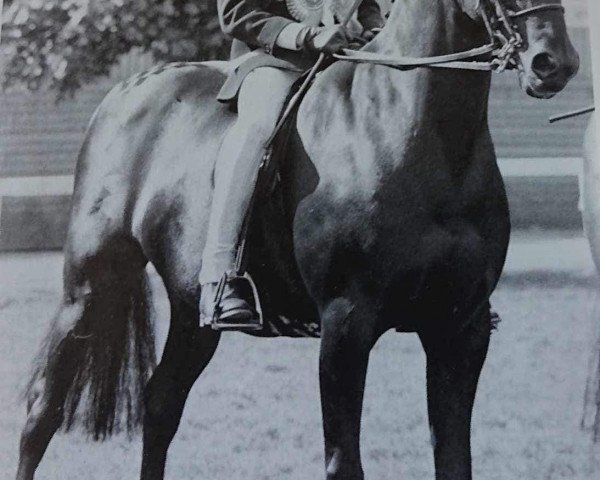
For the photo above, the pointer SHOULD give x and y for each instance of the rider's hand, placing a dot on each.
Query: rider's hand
(368, 35)
(360, 40)
(325, 39)
(357, 41)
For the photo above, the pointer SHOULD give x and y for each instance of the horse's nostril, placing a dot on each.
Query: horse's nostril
(544, 65)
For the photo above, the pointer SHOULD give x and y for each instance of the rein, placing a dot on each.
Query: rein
(505, 41)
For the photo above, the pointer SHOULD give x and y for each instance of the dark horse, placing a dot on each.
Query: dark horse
(391, 213)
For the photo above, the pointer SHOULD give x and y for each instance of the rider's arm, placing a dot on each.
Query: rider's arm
(288, 38)
(369, 15)
(248, 22)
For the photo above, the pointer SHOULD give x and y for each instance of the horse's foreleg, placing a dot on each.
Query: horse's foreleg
(453, 368)
(346, 340)
(187, 352)
(47, 393)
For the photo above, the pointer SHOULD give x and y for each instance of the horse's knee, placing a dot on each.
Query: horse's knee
(346, 323)
(474, 340)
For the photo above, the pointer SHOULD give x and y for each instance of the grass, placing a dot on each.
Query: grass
(255, 412)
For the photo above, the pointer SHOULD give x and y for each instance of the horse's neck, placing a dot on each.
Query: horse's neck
(439, 97)
(420, 28)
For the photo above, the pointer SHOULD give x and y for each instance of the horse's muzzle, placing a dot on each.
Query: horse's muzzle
(546, 71)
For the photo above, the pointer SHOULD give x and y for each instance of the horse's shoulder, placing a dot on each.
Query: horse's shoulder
(328, 100)
(333, 83)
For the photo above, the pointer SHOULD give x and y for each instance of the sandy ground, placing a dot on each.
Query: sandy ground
(255, 412)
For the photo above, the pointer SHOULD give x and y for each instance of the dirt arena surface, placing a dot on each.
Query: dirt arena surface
(255, 412)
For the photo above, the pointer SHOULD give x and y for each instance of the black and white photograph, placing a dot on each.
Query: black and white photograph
(291, 239)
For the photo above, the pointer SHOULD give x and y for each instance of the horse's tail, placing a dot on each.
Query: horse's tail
(101, 362)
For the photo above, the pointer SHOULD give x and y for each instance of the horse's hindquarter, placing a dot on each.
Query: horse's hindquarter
(393, 212)
(145, 169)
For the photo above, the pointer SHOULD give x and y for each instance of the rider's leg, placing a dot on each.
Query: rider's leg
(260, 102)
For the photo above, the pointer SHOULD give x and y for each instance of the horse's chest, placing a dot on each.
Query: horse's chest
(389, 234)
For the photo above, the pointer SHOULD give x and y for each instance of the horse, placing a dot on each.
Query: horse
(590, 209)
(391, 214)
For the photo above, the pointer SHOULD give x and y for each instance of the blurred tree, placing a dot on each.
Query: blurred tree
(63, 44)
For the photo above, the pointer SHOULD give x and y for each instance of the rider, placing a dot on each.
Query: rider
(264, 32)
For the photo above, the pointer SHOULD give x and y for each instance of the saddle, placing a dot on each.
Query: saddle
(241, 66)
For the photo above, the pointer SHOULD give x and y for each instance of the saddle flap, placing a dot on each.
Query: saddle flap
(244, 65)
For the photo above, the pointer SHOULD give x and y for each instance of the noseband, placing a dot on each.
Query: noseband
(503, 33)
(505, 42)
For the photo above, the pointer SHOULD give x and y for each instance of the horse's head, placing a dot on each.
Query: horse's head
(535, 33)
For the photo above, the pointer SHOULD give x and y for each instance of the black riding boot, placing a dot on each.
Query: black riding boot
(229, 309)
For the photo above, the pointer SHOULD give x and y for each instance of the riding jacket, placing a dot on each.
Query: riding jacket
(258, 23)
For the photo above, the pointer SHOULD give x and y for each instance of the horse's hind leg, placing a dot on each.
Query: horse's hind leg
(99, 348)
(45, 402)
(187, 352)
(347, 337)
(454, 363)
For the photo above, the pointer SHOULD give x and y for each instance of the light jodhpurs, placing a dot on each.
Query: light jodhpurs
(260, 101)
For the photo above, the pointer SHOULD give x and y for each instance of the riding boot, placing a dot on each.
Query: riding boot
(233, 311)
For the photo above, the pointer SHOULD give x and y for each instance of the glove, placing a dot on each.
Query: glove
(324, 39)
(359, 41)
(369, 35)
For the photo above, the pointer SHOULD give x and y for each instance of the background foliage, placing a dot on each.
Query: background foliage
(63, 44)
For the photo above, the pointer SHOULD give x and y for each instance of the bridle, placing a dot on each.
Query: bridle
(505, 42)
(504, 33)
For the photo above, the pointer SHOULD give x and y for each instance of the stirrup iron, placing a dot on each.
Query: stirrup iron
(216, 324)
